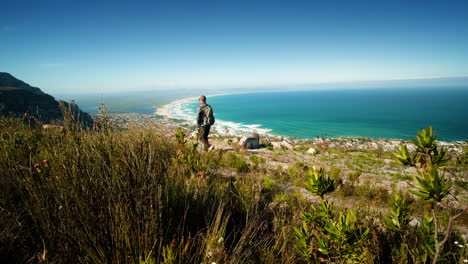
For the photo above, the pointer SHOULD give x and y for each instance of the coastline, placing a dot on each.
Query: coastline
(163, 110)
(223, 141)
(221, 127)
(174, 111)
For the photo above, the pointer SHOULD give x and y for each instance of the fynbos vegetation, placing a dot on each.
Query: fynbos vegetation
(139, 195)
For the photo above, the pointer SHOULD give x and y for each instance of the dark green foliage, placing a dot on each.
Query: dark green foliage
(431, 186)
(427, 152)
(326, 235)
(319, 184)
(268, 184)
(404, 156)
(399, 218)
(329, 236)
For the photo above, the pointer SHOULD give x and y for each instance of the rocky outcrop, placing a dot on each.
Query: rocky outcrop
(18, 99)
(283, 144)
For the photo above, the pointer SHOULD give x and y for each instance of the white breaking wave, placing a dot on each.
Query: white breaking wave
(179, 110)
(182, 109)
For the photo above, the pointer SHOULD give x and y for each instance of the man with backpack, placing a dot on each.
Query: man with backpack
(205, 120)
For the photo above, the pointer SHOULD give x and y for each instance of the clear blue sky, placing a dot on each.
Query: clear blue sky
(101, 46)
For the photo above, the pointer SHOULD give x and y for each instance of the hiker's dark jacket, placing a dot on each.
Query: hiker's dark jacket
(201, 120)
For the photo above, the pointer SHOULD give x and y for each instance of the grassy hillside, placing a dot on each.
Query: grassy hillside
(141, 195)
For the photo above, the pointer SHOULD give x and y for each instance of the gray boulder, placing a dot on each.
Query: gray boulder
(249, 142)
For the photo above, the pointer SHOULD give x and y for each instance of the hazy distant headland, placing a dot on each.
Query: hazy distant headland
(144, 102)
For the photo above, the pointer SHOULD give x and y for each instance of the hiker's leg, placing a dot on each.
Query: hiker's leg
(207, 132)
(200, 133)
(203, 136)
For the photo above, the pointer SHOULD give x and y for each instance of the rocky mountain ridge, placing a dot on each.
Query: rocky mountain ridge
(19, 99)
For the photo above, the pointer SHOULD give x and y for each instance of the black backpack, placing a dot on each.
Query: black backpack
(209, 117)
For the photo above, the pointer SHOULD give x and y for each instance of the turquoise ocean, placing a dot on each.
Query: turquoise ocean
(373, 113)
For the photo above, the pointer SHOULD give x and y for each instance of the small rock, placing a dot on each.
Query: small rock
(415, 222)
(286, 145)
(410, 170)
(456, 149)
(276, 145)
(312, 151)
(51, 127)
(411, 147)
(389, 148)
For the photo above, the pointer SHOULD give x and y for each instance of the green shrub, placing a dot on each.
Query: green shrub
(318, 184)
(399, 218)
(353, 177)
(427, 151)
(335, 173)
(329, 236)
(431, 187)
(256, 161)
(268, 184)
(236, 161)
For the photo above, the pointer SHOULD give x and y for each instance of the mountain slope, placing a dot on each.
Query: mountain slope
(18, 98)
(8, 80)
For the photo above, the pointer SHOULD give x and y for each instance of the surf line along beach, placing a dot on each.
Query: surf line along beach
(186, 109)
(373, 113)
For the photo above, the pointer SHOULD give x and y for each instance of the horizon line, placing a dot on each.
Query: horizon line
(149, 88)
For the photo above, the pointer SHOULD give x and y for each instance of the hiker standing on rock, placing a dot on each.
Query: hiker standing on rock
(205, 120)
